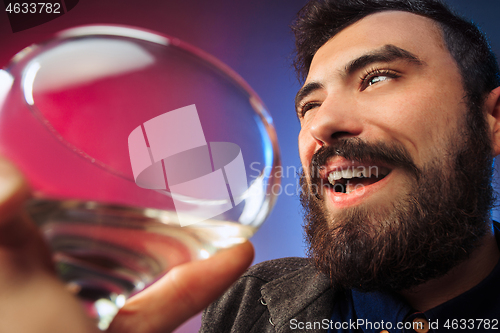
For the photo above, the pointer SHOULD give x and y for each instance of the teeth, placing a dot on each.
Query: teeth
(359, 172)
(348, 173)
(335, 175)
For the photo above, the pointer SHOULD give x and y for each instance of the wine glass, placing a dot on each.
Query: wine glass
(143, 153)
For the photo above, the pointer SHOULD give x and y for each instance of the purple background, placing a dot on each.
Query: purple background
(253, 38)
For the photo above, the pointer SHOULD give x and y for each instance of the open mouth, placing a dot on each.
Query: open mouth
(355, 177)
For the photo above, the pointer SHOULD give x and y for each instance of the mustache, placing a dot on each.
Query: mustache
(355, 149)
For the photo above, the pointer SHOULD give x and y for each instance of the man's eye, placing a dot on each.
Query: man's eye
(376, 76)
(308, 106)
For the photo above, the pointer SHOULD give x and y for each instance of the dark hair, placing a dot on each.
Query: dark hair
(320, 20)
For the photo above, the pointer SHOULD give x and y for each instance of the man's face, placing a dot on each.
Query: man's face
(416, 103)
(383, 126)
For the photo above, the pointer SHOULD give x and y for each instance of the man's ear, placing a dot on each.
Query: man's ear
(492, 106)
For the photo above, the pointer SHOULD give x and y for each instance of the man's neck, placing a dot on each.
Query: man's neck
(458, 280)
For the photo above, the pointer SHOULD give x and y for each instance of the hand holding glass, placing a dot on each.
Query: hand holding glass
(143, 153)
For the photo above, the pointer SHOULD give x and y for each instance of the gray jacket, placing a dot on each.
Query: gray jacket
(271, 297)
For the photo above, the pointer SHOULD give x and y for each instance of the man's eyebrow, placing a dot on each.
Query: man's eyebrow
(387, 53)
(304, 91)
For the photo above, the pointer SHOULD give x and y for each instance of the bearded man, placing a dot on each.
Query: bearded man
(399, 115)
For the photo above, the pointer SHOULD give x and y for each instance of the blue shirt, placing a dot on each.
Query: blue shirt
(476, 310)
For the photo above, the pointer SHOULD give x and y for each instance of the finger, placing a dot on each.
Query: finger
(183, 292)
(21, 245)
(13, 193)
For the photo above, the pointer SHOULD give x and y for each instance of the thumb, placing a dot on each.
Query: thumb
(183, 292)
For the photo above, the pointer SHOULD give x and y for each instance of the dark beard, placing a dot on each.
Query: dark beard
(422, 235)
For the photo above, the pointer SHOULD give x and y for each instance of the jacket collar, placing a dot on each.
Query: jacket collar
(305, 295)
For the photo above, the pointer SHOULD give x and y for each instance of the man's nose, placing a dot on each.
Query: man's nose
(335, 120)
